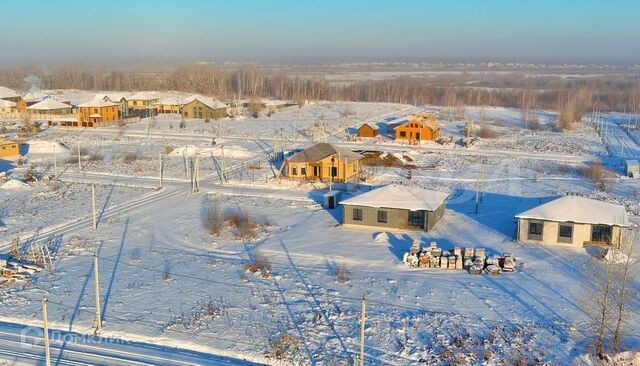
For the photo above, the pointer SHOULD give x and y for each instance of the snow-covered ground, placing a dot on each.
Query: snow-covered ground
(165, 281)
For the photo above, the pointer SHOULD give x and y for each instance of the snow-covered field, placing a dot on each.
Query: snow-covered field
(165, 280)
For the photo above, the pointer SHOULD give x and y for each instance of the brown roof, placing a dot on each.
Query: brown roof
(322, 150)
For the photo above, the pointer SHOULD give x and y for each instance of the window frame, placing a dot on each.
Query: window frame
(535, 235)
(564, 238)
(413, 221)
(383, 217)
(607, 228)
(356, 214)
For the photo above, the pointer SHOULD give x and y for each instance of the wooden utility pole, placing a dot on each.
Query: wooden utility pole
(197, 173)
(160, 167)
(79, 163)
(363, 318)
(55, 162)
(93, 205)
(224, 167)
(47, 352)
(97, 290)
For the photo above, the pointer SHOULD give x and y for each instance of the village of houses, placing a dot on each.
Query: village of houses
(283, 215)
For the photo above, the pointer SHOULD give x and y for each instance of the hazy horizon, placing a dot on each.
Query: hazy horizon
(57, 32)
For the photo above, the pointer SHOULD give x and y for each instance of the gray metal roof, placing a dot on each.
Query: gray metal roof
(322, 150)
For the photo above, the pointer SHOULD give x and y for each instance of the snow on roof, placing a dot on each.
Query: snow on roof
(580, 210)
(321, 151)
(114, 97)
(7, 103)
(375, 127)
(97, 103)
(8, 93)
(632, 162)
(209, 102)
(143, 96)
(170, 101)
(49, 104)
(401, 197)
(30, 97)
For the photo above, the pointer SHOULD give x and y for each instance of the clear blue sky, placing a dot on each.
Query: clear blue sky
(599, 30)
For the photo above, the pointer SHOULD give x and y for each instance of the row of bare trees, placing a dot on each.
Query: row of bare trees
(244, 83)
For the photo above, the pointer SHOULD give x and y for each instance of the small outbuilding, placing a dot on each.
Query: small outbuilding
(368, 130)
(396, 207)
(9, 148)
(632, 168)
(573, 220)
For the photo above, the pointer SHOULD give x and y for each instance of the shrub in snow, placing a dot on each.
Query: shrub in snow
(260, 263)
(283, 345)
(341, 273)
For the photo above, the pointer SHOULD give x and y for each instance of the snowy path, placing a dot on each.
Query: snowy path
(618, 142)
(25, 345)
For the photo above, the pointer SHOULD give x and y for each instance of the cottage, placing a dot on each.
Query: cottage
(7, 107)
(97, 112)
(368, 130)
(11, 96)
(50, 110)
(421, 128)
(9, 148)
(143, 104)
(324, 162)
(395, 207)
(573, 220)
(119, 99)
(169, 105)
(199, 106)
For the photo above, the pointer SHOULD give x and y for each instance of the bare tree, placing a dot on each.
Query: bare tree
(597, 301)
(626, 270)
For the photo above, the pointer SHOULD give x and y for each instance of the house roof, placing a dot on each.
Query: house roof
(114, 97)
(8, 93)
(209, 102)
(321, 151)
(49, 104)
(7, 103)
(97, 103)
(579, 210)
(143, 96)
(423, 121)
(170, 101)
(95, 115)
(401, 197)
(375, 127)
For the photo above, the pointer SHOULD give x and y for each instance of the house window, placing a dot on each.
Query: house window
(294, 171)
(357, 214)
(334, 171)
(403, 134)
(303, 171)
(315, 171)
(416, 218)
(601, 233)
(382, 216)
(565, 233)
(535, 231)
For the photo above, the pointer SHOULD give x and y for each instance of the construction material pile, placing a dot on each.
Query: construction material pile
(473, 260)
(13, 270)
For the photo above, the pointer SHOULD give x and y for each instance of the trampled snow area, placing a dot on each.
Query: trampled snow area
(166, 281)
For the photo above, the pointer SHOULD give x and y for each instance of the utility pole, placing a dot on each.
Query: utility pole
(47, 352)
(160, 167)
(97, 286)
(93, 206)
(363, 318)
(79, 164)
(224, 167)
(197, 173)
(55, 162)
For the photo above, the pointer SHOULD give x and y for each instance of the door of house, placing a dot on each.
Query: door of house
(332, 202)
(315, 171)
(418, 136)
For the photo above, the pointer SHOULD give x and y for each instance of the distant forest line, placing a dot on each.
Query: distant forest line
(606, 93)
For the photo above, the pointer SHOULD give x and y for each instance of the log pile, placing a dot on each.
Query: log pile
(474, 260)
